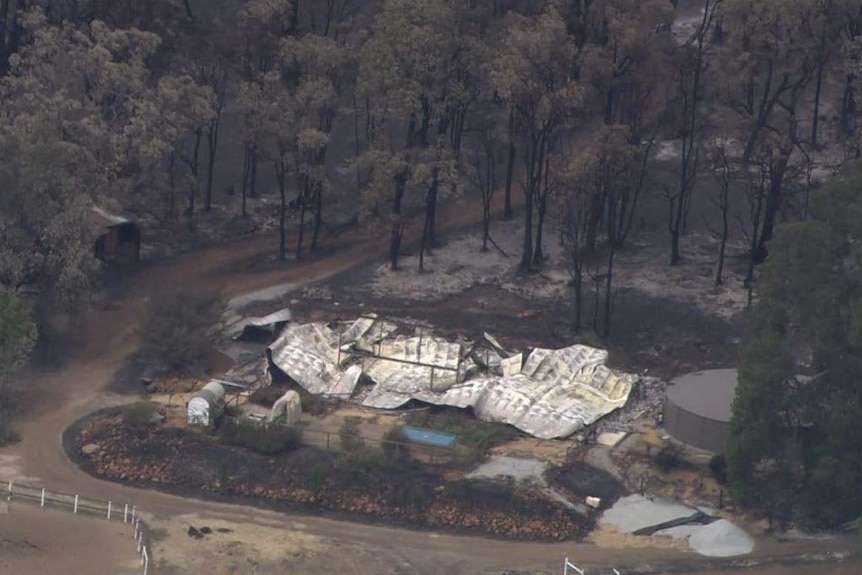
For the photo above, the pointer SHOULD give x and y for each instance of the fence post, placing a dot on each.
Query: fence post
(133, 512)
(9, 497)
(76, 504)
(109, 509)
(146, 562)
(327, 441)
(125, 513)
(42, 504)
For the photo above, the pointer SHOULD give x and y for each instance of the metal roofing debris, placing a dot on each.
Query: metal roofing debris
(553, 394)
(268, 322)
(107, 219)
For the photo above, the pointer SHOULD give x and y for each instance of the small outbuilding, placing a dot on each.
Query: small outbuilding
(206, 404)
(697, 408)
(118, 240)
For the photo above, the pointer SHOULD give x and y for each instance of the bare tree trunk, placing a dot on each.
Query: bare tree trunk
(579, 284)
(172, 185)
(538, 254)
(818, 86)
(725, 231)
(397, 226)
(252, 172)
(195, 164)
(246, 172)
(212, 147)
(318, 216)
(535, 163)
(510, 168)
(188, 8)
(281, 171)
(774, 201)
(427, 230)
(848, 105)
(301, 235)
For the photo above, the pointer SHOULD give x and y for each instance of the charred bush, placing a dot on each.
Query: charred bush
(268, 440)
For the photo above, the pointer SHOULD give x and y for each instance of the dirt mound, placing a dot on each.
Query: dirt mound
(582, 480)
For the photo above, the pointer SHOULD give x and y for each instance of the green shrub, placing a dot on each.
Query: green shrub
(348, 434)
(268, 440)
(469, 430)
(718, 468)
(140, 418)
(179, 328)
(395, 450)
(313, 404)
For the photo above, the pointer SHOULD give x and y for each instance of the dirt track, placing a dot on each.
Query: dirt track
(107, 336)
(34, 540)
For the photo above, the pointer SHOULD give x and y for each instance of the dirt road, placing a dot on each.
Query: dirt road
(107, 336)
(34, 540)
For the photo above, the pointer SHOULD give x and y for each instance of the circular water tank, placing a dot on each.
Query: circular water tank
(697, 408)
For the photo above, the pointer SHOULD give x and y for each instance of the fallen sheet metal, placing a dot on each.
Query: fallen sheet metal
(269, 323)
(553, 394)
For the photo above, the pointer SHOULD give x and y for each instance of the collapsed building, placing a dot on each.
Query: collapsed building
(546, 393)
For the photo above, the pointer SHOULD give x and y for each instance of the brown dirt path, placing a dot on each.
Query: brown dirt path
(107, 336)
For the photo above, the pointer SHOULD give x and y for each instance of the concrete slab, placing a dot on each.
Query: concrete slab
(636, 512)
(523, 470)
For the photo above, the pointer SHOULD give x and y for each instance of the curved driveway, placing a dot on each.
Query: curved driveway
(107, 337)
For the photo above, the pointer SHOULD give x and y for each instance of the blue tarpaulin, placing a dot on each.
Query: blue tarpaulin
(428, 437)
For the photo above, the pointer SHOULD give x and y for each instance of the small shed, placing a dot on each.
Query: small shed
(206, 404)
(118, 240)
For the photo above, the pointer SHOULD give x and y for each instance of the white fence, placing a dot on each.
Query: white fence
(570, 568)
(80, 505)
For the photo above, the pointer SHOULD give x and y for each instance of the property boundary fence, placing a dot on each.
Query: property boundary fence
(570, 568)
(334, 442)
(93, 507)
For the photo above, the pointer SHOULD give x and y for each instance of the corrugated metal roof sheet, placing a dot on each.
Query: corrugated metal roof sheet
(555, 393)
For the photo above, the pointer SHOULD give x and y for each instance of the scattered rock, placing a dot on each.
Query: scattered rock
(90, 448)
(206, 530)
(224, 530)
(192, 532)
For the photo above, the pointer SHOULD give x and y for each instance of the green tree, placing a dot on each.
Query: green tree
(17, 333)
(799, 399)
(533, 73)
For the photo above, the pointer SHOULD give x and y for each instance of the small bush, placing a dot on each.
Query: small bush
(669, 457)
(395, 450)
(267, 396)
(348, 434)
(470, 431)
(140, 418)
(179, 328)
(718, 468)
(313, 404)
(268, 440)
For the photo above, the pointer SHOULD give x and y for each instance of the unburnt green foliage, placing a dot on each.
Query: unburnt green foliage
(799, 402)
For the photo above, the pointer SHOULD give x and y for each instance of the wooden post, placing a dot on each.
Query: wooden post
(126, 513)
(327, 441)
(109, 509)
(9, 497)
(76, 504)
(43, 498)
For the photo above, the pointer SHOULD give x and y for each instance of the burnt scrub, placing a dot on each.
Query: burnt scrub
(308, 479)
